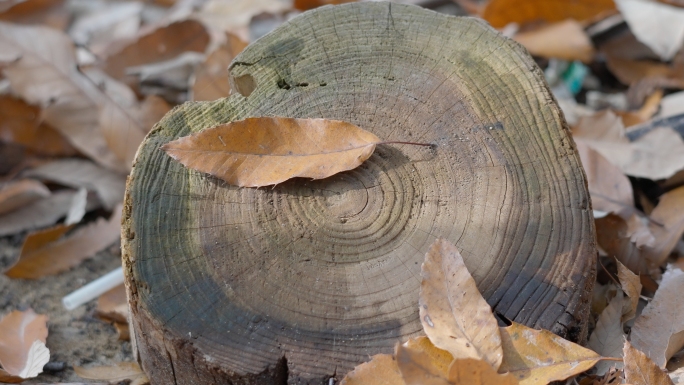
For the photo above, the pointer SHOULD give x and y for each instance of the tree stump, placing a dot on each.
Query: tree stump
(301, 282)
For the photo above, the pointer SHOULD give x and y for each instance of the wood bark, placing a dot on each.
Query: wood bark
(301, 282)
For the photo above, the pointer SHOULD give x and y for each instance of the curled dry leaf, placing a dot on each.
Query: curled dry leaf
(501, 12)
(68, 252)
(659, 330)
(631, 285)
(22, 345)
(537, 357)
(15, 195)
(564, 40)
(269, 150)
(608, 337)
(640, 370)
(113, 374)
(454, 314)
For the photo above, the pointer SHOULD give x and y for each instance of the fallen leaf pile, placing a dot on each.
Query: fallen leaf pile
(82, 83)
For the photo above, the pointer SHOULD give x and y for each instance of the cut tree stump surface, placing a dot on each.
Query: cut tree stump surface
(302, 281)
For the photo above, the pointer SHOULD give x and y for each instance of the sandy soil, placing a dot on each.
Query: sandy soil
(77, 337)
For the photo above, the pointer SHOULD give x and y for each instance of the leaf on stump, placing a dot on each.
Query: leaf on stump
(631, 285)
(454, 315)
(659, 330)
(607, 338)
(640, 370)
(468, 371)
(55, 257)
(269, 150)
(537, 357)
(417, 368)
(113, 374)
(441, 359)
(22, 345)
(382, 369)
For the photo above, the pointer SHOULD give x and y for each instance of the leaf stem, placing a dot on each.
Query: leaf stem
(411, 143)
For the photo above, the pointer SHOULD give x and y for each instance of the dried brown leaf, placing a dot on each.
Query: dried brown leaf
(51, 13)
(667, 225)
(382, 369)
(20, 123)
(441, 359)
(640, 370)
(235, 16)
(630, 71)
(80, 173)
(41, 67)
(661, 320)
(454, 315)
(161, 44)
(631, 285)
(501, 12)
(613, 236)
(417, 368)
(610, 189)
(269, 150)
(113, 305)
(608, 337)
(15, 195)
(305, 5)
(44, 212)
(212, 79)
(70, 251)
(468, 371)
(537, 357)
(120, 372)
(22, 344)
(564, 40)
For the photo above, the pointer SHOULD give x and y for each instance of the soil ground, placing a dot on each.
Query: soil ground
(77, 337)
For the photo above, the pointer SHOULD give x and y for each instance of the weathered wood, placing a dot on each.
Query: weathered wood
(304, 281)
